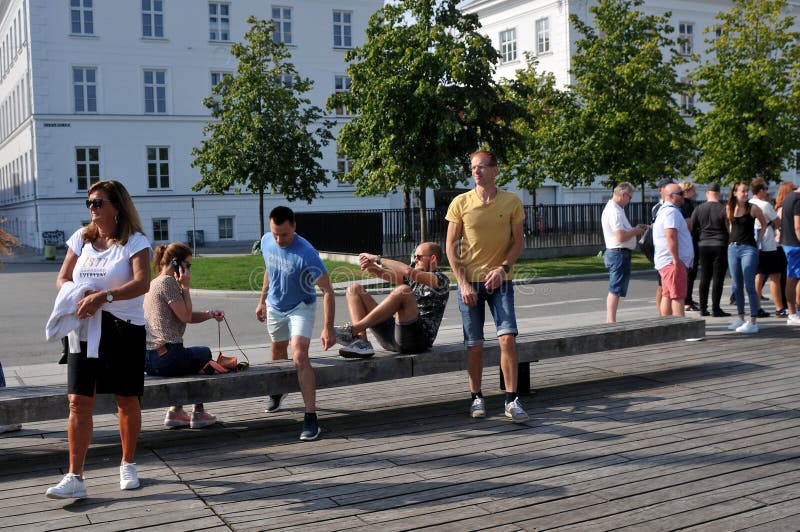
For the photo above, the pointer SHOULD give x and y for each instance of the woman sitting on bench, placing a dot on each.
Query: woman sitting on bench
(167, 310)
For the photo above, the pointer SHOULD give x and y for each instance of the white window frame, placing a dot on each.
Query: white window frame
(342, 83)
(542, 26)
(218, 74)
(85, 87)
(84, 10)
(157, 90)
(158, 163)
(88, 165)
(686, 37)
(342, 29)
(508, 45)
(165, 222)
(154, 16)
(343, 165)
(232, 220)
(283, 24)
(219, 24)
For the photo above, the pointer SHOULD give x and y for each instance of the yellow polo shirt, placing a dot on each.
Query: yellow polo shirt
(486, 230)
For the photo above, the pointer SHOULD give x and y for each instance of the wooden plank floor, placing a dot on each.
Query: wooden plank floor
(688, 435)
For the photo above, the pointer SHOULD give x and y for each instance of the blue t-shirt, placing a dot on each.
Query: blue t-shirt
(292, 272)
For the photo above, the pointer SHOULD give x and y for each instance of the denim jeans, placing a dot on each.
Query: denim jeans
(743, 263)
(501, 305)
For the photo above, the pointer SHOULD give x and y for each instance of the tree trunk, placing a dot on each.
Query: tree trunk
(423, 214)
(409, 228)
(261, 209)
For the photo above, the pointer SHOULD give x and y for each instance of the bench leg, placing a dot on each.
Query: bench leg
(523, 378)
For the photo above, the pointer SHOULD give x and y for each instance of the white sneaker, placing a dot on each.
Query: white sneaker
(478, 408)
(515, 412)
(358, 348)
(70, 487)
(747, 327)
(128, 479)
(793, 319)
(735, 324)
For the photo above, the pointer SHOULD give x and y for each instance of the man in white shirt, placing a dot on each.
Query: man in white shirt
(674, 251)
(620, 239)
(770, 261)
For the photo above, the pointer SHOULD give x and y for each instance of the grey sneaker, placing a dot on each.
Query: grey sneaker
(311, 429)
(478, 408)
(70, 487)
(128, 478)
(358, 348)
(274, 402)
(344, 333)
(515, 412)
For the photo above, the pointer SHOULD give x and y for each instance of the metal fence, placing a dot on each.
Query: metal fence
(545, 226)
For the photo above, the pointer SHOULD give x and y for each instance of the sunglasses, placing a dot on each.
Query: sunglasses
(419, 257)
(94, 203)
(681, 193)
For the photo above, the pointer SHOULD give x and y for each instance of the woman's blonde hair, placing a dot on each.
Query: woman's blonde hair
(166, 253)
(128, 221)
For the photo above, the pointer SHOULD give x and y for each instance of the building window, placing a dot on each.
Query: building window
(543, 36)
(216, 77)
(686, 37)
(342, 29)
(155, 91)
(342, 167)
(282, 17)
(84, 87)
(161, 229)
(157, 167)
(152, 18)
(81, 17)
(219, 22)
(87, 166)
(225, 224)
(341, 84)
(508, 45)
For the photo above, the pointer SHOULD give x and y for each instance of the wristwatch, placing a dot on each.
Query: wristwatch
(506, 268)
(109, 297)
(378, 260)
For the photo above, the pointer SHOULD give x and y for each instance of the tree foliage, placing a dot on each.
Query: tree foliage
(627, 124)
(265, 133)
(751, 82)
(424, 98)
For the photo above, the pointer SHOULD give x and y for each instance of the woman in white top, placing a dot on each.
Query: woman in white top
(112, 256)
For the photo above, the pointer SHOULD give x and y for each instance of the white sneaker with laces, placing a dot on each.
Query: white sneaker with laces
(747, 327)
(515, 412)
(357, 349)
(735, 324)
(478, 408)
(793, 319)
(128, 478)
(70, 487)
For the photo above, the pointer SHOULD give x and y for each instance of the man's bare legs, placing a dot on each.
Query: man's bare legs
(672, 307)
(612, 304)
(365, 312)
(509, 363)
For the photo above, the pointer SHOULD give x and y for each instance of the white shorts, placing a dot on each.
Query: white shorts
(298, 321)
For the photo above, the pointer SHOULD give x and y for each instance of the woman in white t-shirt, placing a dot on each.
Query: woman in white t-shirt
(110, 258)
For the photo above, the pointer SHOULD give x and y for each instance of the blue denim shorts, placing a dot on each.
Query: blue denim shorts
(501, 305)
(298, 321)
(618, 262)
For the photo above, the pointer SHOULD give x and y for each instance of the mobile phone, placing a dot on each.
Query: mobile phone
(176, 266)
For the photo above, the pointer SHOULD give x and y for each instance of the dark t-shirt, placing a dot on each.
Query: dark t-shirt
(791, 208)
(431, 302)
(710, 224)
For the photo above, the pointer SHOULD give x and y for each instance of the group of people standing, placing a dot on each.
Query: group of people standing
(749, 236)
(120, 324)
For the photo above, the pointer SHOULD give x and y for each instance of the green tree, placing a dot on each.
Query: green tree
(751, 82)
(628, 125)
(265, 134)
(422, 88)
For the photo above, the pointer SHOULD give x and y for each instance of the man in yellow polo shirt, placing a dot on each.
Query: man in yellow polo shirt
(484, 240)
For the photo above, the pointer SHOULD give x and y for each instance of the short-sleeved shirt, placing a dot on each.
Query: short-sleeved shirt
(486, 230)
(614, 219)
(710, 223)
(292, 272)
(671, 217)
(163, 326)
(110, 269)
(431, 302)
(768, 242)
(791, 208)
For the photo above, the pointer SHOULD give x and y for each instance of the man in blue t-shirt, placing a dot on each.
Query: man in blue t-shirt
(288, 302)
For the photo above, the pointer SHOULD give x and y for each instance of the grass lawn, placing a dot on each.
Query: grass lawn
(247, 271)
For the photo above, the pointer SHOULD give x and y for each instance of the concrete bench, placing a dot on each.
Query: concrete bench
(39, 403)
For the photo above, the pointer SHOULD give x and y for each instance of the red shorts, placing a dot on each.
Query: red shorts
(674, 281)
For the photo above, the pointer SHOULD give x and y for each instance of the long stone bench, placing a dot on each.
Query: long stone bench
(24, 404)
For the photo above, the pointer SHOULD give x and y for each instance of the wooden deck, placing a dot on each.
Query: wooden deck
(686, 435)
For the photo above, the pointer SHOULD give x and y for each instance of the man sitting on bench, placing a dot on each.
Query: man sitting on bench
(408, 319)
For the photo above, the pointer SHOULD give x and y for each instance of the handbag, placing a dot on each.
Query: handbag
(225, 363)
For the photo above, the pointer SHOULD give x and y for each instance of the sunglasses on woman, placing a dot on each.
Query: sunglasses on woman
(94, 203)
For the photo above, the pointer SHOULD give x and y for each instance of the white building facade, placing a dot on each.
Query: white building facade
(113, 89)
(542, 28)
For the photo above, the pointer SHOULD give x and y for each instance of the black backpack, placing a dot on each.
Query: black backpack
(646, 244)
